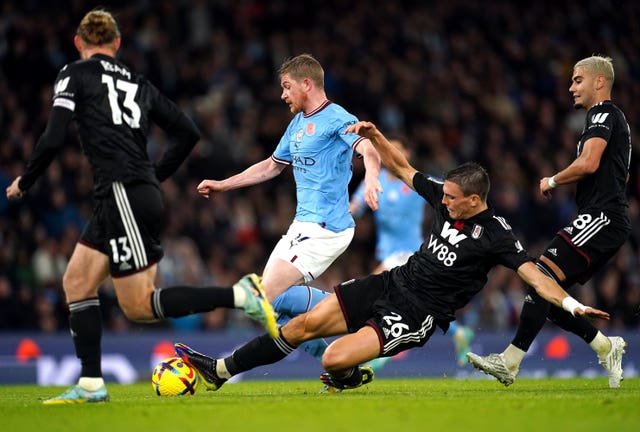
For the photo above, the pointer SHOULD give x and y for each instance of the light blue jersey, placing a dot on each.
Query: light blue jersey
(321, 156)
(398, 218)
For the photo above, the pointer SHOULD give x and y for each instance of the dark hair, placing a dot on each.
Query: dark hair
(98, 27)
(472, 179)
(303, 66)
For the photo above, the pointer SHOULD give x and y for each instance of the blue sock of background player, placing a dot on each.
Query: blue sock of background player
(462, 336)
(297, 300)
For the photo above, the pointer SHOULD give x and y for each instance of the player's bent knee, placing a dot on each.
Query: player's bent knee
(139, 315)
(137, 309)
(333, 360)
(76, 287)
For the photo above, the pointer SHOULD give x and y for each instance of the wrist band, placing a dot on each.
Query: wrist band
(570, 305)
(552, 182)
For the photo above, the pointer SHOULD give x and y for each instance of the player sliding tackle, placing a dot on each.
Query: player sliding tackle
(387, 313)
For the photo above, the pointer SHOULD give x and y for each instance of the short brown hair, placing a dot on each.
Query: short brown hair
(303, 66)
(98, 27)
(472, 179)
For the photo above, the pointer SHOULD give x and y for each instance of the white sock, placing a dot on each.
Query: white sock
(601, 345)
(90, 384)
(239, 296)
(221, 369)
(513, 357)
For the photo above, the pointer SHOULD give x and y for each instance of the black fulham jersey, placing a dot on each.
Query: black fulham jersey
(114, 109)
(605, 189)
(456, 256)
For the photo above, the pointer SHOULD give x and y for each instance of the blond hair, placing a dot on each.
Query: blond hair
(98, 27)
(598, 65)
(301, 67)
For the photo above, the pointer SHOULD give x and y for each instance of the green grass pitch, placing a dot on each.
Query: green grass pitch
(390, 405)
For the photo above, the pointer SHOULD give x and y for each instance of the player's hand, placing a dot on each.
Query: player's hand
(207, 187)
(13, 191)
(589, 312)
(545, 189)
(371, 191)
(363, 128)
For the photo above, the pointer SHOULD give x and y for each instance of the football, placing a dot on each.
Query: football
(173, 377)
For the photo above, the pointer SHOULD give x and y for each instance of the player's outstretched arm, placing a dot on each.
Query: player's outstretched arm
(390, 156)
(553, 293)
(256, 173)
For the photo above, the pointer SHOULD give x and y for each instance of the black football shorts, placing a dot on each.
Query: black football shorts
(373, 301)
(126, 226)
(583, 247)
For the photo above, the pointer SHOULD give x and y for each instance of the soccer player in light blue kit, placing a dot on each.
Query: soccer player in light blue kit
(399, 234)
(316, 146)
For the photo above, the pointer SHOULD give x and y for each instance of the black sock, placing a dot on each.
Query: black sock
(178, 301)
(85, 322)
(260, 351)
(532, 318)
(576, 325)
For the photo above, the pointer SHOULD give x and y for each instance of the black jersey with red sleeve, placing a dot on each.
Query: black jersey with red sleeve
(456, 256)
(114, 109)
(605, 189)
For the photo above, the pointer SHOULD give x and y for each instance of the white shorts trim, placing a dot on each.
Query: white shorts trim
(136, 245)
(310, 248)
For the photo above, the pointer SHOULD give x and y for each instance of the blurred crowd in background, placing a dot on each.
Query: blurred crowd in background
(463, 80)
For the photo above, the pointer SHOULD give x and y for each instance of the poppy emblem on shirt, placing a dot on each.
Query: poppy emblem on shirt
(311, 128)
(476, 232)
